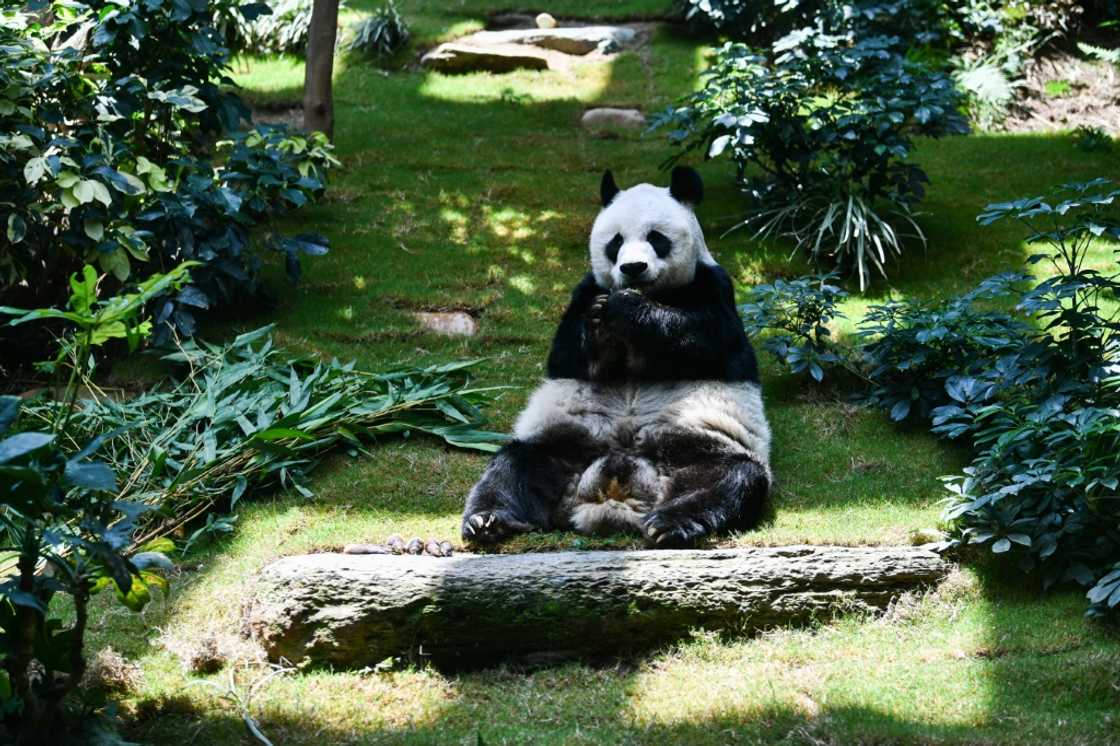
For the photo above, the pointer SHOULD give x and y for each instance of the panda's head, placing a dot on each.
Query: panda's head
(648, 237)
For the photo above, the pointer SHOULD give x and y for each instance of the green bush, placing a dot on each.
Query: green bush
(243, 418)
(381, 35)
(65, 527)
(271, 26)
(820, 137)
(1035, 391)
(108, 121)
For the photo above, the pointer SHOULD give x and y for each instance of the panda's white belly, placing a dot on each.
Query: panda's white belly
(625, 422)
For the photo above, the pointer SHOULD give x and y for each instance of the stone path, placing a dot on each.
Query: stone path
(527, 48)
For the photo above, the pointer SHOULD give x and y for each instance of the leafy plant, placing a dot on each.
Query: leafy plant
(62, 519)
(246, 418)
(381, 35)
(108, 120)
(792, 318)
(1092, 139)
(912, 349)
(278, 26)
(819, 137)
(1035, 392)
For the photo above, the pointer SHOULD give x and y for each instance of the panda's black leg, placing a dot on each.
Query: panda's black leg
(709, 496)
(520, 488)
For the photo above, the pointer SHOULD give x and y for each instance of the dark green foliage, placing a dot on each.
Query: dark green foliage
(750, 18)
(820, 132)
(59, 512)
(381, 35)
(270, 26)
(106, 148)
(799, 311)
(64, 526)
(1034, 392)
(1092, 139)
(911, 349)
(246, 418)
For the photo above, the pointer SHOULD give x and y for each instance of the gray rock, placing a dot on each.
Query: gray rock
(355, 610)
(449, 323)
(609, 118)
(577, 40)
(466, 58)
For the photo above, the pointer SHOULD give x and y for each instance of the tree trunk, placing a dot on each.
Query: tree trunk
(318, 100)
(470, 610)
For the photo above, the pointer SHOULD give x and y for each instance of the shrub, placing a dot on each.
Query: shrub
(64, 521)
(381, 35)
(246, 417)
(912, 349)
(819, 138)
(792, 317)
(1034, 392)
(276, 26)
(1045, 418)
(106, 147)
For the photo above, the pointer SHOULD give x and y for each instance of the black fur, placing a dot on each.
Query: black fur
(685, 185)
(688, 333)
(523, 484)
(711, 491)
(607, 188)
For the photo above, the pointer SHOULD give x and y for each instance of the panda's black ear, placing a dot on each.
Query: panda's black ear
(686, 185)
(607, 188)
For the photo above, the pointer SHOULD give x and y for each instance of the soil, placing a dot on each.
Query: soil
(1063, 92)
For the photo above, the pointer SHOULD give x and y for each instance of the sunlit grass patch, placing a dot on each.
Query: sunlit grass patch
(477, 192)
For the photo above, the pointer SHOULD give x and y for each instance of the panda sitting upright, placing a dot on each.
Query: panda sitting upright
(650, 420)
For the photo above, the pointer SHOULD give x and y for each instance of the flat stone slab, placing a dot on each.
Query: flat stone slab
(457, 57)
(575, 40)
(611, 118)
(449, 323)
(470, 610)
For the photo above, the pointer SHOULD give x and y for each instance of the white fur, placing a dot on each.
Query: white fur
(633, 213)
(592, 518)
(626, 416)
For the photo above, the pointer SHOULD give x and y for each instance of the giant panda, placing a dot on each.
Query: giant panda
(650, 420)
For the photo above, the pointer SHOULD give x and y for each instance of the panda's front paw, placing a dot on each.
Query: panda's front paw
(665, 530)
(489, 527)
(598, 309)
(624, 306)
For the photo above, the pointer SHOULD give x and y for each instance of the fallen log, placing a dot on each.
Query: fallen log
(470, 610)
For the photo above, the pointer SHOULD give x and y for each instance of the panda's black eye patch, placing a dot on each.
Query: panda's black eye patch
(613, 246)
(660, 243)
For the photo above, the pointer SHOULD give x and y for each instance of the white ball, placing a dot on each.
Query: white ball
(545, 20)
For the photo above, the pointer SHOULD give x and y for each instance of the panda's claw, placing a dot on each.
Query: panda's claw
(488, 527)
(664, 531)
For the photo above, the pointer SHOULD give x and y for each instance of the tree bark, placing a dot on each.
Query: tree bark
(318, 98)
(470, 610)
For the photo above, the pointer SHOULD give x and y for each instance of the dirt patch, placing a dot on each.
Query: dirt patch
(291, 116)
(1063, 92)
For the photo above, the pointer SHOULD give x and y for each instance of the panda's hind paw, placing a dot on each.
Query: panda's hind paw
(667, 531)
(488, 527)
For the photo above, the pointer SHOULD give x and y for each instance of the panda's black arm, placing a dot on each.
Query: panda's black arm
(568, 357)
(690, 332)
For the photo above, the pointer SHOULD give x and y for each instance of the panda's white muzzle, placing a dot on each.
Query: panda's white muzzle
(637, 265)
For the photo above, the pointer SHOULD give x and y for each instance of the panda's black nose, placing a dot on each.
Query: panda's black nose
(633, 269)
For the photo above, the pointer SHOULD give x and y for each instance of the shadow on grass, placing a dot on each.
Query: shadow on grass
(1009, 668)
(459, 194)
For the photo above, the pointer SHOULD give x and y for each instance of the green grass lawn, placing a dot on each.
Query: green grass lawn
(477, 193)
